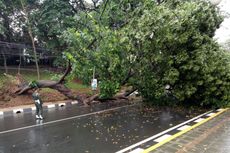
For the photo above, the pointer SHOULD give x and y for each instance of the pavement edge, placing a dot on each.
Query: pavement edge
(20, 110)
(189, 128)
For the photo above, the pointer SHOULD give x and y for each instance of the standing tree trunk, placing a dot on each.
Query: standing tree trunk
(34, 50)
(20, 62)
(31, 37)
(5, 61)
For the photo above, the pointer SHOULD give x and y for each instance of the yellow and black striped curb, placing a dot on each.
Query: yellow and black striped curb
(155, 142)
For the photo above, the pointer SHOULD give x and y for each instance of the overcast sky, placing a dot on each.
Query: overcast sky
(223, 33)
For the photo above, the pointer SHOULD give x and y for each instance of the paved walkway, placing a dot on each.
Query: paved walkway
(210, 137)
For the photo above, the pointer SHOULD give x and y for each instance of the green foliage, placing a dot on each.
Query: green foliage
(160, 45)
(101, 49)
(108, 89)
(56, 77)
(51, 20)
(33, 84)
(179, 51)
(2, 81)
(145, 44)
(1, 30)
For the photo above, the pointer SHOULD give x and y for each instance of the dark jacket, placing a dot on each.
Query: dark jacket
(36, 96)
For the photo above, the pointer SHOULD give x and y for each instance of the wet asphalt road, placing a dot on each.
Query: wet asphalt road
(85, 129)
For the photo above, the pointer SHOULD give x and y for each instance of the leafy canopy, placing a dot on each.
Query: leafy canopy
(165, 50)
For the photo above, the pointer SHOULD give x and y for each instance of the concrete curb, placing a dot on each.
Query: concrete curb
(31, 108)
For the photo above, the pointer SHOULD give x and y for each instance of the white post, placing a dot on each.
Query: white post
(94, 81)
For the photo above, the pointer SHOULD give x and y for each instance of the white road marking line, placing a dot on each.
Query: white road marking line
(61, 104)
(210, 114)
(183, 127)
(138, 150)
(18, 110)
(199, 120)
(65, 119)
(51, 106)
(162, 138)
(74, 102)
(159, 134)
(1, 113)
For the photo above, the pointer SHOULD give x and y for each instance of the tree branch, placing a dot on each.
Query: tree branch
(106, 2)
(67, 71)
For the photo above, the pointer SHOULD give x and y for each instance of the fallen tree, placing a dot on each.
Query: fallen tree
(23, 87)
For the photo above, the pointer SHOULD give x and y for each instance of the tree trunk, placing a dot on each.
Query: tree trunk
(50, 84)
(57, 85)
(20, 62)
(32, 38)
(5, 61)
(60, 87)
(34, 50)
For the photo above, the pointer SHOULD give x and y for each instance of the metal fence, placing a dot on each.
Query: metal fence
(19, 58)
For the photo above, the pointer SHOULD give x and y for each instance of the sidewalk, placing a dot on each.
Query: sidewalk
(29, 108)
(210, 137)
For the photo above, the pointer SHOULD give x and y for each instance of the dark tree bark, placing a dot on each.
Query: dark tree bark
(24, 87)
(20, 61)
(118, 96)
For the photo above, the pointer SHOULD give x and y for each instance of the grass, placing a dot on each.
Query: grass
(30, 75)
(79, 87)
(228, 106)
(72, 85)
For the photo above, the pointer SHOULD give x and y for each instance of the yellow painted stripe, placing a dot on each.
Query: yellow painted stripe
(182, 132)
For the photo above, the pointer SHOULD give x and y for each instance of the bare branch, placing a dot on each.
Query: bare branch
(67, 71)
